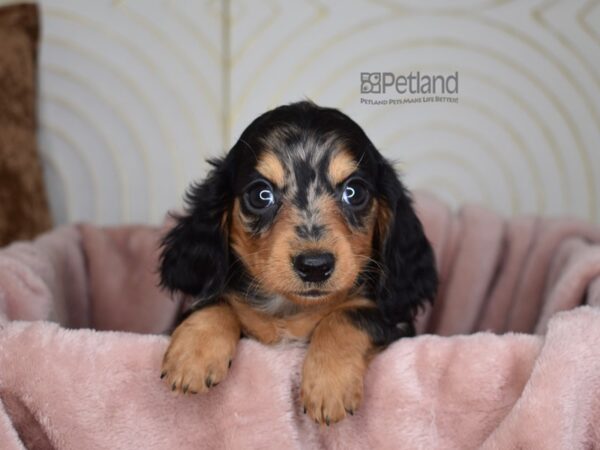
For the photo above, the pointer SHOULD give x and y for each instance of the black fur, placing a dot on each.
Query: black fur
(375, 324)
(314, 232)
(196, 258)
(406, 272)
(195, 255)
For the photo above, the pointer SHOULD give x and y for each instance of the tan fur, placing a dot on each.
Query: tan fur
(270, 167)
(269, 330)
(268, 256)
(334, 369)
(242, 242)
(339, 352)
(260, 326)
(201, 349)
(342, 165)
(354, 250)
(278, 135)
(263, 255)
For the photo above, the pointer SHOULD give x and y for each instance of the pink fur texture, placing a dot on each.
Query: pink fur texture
(67, 385)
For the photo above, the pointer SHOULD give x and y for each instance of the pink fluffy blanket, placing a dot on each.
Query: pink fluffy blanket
(65, 384)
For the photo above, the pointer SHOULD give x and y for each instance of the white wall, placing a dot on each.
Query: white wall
(525, 135)
(135, 94)
(131, 104)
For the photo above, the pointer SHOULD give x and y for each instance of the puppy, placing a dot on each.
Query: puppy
(302, 232)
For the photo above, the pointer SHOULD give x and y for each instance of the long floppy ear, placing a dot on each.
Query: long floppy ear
(409, 276)
(195, 254)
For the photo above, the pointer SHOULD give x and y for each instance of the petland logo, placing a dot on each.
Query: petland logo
(413, 88)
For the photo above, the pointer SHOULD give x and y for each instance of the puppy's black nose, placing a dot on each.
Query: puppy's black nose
(314, 267)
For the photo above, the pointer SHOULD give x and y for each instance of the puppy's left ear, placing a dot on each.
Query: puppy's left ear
(409, 277)
(195, 252)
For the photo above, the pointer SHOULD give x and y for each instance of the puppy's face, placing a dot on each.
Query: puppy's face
(303, 208)
(303, 222)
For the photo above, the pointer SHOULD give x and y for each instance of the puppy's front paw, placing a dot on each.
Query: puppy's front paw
(196, 360)
(331, 388)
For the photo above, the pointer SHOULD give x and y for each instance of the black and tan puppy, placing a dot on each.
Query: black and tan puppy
(302, 232)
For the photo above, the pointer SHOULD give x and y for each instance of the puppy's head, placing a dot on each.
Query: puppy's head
(304, 208)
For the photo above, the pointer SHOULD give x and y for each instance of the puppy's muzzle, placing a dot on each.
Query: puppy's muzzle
(314, 267)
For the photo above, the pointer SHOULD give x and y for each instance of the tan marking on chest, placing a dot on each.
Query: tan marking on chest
(270, 330)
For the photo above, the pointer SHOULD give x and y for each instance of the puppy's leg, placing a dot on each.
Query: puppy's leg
(334, 368)
(201, 349)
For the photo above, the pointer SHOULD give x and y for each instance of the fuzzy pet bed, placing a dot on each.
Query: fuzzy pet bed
(65, 384)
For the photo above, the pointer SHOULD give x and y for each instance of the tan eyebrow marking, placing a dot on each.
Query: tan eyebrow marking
(271, 168)
(341, 166)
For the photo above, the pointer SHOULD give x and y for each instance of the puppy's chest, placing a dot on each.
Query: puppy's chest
(270, 329)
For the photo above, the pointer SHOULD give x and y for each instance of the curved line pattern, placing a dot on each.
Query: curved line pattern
(314, 55)
(446, 156)
(65, 137)
(161, 36)
(82, 115)
(483, 108)
(149, 180)
(589, 176)
(132, 85)
(399, 6)
(259, 30)
(445, 186)
(472, 135)
(194, 30)
(516, 138)
(48, 161)
(97, 94)
(536, 81)
(516, 34)
(564, 62)
(270, 59)
(585, 11)
(538, 15)
(354, 95)
(546, 132)
(134, 89)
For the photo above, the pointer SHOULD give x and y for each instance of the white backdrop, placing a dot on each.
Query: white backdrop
(136, 93)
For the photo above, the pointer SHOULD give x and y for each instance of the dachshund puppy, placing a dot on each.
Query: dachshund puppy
(302, 232)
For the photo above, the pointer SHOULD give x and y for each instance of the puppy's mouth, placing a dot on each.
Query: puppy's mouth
(313, 293)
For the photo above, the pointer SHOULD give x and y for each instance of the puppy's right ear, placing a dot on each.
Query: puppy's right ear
(195, 252)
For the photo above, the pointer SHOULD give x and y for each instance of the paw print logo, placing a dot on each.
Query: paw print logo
(370, 82)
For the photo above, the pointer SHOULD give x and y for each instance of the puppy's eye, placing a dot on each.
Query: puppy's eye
(260, 196)
(355, 194)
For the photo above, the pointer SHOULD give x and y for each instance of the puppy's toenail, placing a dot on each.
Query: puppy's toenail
(163, 374)
(173, 386)
(229, 363)
(185, 388)
(305, 410)
(208, 382)
(327, 420)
